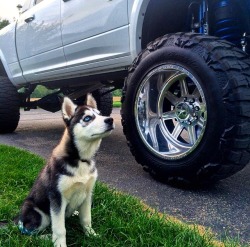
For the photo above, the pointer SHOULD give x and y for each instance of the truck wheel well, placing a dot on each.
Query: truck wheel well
(163, 17)
(2, 70)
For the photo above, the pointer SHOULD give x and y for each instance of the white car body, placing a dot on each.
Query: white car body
(60, 39)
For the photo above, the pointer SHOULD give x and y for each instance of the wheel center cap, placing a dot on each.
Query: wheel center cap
(182, 111)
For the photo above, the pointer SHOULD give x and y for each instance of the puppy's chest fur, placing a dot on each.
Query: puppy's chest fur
(76, 187)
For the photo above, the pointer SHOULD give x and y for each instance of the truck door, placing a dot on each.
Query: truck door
(39, 42)
(95, 34)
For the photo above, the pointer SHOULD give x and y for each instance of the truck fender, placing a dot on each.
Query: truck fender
(4, 69)
(136, 22)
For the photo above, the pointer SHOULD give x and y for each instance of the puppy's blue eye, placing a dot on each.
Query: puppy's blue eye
(87, 118)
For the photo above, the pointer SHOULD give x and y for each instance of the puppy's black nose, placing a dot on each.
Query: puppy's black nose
(109, 120)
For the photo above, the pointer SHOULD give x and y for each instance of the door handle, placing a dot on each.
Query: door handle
(66, 0)
(29, 19)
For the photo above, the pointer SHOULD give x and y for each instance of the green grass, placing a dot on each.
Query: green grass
(120, 220)
(117, 104)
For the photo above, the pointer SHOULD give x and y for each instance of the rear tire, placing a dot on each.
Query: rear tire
(175, 75)
(9, 106)
(104, 101)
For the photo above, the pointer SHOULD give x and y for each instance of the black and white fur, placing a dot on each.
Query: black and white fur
(66, 183)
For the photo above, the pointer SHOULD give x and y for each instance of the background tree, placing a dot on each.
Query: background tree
(3, 23)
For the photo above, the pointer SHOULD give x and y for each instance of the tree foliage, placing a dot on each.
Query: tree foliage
(3, 23)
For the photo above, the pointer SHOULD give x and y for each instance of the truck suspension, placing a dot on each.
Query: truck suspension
(228, 23)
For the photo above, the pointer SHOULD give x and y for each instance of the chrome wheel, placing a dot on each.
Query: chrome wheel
(170, 112)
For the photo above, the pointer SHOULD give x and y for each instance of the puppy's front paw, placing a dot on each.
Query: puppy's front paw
(59, 242)
(46, 236)
(89, 231)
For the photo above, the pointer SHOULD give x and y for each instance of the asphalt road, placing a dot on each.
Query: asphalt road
(224, 207)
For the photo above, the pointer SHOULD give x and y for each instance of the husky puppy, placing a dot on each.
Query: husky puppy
(66, 183)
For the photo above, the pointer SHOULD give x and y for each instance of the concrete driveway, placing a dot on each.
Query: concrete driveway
(224, 207)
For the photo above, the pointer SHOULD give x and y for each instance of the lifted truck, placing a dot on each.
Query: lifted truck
(183, 65)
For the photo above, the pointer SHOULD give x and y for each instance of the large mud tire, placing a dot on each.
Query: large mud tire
(9, 106)
(104, 100)
(221, 72)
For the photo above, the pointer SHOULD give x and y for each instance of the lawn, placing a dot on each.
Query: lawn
(119, 219)
(117, 104)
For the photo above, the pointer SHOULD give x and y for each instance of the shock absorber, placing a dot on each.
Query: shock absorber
(227, 22)
(203, 15)
(198, 16)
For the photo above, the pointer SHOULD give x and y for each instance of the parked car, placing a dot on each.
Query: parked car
(183, 66)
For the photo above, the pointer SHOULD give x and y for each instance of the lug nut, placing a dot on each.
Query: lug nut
(197, 108)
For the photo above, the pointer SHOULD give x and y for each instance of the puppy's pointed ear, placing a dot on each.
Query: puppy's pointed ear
(90, 101)
(68, 109)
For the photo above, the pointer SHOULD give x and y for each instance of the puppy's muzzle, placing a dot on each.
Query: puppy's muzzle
(110, 123)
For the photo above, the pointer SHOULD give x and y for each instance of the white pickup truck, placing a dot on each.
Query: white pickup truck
(186, 94)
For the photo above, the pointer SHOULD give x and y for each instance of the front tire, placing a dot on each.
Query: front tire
(9, 106)
(186, 108)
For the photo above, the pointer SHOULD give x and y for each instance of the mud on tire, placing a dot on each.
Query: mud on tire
(9, 106)
(216, 142)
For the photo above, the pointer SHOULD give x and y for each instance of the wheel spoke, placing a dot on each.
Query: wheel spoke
(196, 93)
(177, 130)
(172, 148)
(151, 131)
(145, 103)
(184, 87)
(175, 77)
(168, 115)
(160, 81)
(201, 122)
(192, 134)
(145, 93)
(172, 98)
